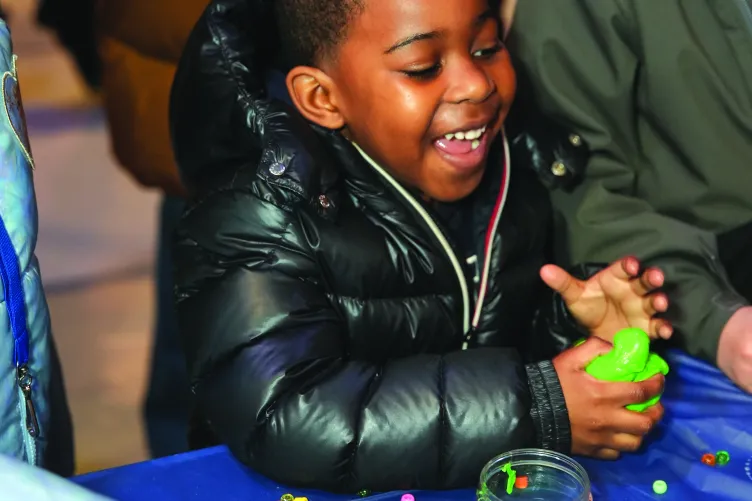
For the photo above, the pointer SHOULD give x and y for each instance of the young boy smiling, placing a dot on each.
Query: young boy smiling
(358, 285)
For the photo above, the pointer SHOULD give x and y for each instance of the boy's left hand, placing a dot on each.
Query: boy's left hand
(613, 299)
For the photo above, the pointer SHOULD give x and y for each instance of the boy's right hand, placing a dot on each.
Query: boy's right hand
(601, 426)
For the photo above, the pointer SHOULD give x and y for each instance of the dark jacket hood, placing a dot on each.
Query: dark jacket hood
(226, 82)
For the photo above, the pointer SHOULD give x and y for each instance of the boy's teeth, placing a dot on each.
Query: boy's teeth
(469, 135)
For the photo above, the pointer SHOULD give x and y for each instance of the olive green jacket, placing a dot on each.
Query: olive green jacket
(661, 90)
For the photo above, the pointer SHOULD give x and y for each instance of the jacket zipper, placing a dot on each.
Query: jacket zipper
(467, 325)
(493, 227)
(436, 231)
(10, 275)
(25, 383)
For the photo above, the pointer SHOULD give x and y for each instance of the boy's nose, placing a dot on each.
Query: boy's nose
(469, 82)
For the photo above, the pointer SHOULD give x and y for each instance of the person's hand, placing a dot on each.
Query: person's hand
(601, 426)
(614, 298)
(735, 348)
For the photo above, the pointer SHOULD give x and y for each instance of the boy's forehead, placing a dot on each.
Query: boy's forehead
(386, 21)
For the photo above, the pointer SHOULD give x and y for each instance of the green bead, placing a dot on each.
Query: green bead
(722, 458)
(287, 497)
(364, 493)
(660, 487)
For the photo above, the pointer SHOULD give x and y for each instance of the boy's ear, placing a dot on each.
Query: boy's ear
(314, 95)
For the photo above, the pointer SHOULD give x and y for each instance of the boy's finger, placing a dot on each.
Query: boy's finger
(623, 394)
(661, 328)
(607, 454)
(655, 412)
(562, 282)
(659, 302)
(625, 442)
(580, 356)
(625, 269)
(650, 280)
(636, 423)
(652, 304)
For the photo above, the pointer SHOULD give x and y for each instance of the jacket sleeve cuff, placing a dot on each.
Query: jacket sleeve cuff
(549, 409)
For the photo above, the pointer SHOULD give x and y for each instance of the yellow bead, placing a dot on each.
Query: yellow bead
(300, 499)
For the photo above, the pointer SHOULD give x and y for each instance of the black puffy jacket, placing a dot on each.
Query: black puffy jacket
(324, 310)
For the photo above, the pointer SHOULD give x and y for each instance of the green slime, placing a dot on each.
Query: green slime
(629, 361)
(511, 476)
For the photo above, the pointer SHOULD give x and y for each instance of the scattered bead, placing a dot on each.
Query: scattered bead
(521, 482)
(660, 487)
(364, 493)
(408, 497)
(300, 499)
(722, 458)
(287, 497)
(708, 459)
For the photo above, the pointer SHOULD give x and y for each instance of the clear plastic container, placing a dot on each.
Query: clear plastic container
(550, 476)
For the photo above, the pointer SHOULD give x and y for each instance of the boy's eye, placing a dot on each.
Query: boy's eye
(423, 73)
(490, 51)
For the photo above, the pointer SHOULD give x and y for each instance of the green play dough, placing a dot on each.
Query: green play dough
(629, 361)
(511, 476)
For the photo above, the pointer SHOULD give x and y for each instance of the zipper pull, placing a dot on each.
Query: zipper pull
(25, 382)
(468, 338)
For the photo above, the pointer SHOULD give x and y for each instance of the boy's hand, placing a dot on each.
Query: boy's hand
(613, 299)
(601, 426)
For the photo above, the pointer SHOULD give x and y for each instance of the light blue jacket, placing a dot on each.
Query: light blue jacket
(19, 481)
(24, 318)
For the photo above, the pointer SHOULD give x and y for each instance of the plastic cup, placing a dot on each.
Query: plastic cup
(550, 477)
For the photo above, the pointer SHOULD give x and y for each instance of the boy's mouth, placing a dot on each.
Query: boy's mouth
(464, 149)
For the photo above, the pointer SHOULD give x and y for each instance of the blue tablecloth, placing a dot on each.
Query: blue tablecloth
(704, 413)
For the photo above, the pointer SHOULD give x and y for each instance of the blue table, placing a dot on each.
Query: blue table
(704, 413)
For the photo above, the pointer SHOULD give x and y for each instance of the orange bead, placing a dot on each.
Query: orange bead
(521, 482)
(708, 459)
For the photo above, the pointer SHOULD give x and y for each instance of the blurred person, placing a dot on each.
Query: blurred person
(72, 21)
(140, 43)
(662, 93)
(35, 424)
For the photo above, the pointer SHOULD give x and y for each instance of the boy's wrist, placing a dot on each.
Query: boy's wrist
(549, 409)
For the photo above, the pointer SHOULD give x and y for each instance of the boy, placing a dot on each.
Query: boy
(354, 306)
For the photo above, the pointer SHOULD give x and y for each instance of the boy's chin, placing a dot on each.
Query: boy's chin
(454, 189)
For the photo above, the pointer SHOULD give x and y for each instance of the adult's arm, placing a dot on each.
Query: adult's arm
(582, 60)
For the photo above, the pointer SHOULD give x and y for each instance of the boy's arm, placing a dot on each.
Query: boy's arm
(269, 361)
(583, 69)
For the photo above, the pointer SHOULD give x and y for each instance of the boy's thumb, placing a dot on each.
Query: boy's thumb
(589, 351)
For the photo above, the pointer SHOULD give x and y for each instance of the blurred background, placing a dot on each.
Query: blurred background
(96, 266)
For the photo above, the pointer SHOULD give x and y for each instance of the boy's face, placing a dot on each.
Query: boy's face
(416, 76)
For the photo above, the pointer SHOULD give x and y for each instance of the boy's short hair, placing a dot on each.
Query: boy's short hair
(311, 30)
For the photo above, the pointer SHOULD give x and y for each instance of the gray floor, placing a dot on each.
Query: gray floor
(95, 246)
